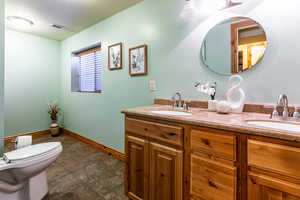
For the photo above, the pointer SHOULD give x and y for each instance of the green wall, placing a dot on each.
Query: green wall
(218, 48)
(174, 62)
(98, 116)
(32, 79)
(2, 3)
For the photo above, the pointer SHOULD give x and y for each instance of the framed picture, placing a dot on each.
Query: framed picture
(138, 60)
(115, 56)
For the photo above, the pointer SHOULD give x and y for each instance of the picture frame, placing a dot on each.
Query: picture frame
(138, 60)
(115, 56)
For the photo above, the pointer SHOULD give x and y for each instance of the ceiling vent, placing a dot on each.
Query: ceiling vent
(60, 27)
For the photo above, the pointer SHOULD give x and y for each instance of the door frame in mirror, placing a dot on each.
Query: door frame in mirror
(234, 42)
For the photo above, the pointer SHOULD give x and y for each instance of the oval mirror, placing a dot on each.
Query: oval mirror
(234, 46)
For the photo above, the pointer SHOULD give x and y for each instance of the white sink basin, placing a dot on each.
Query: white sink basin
(168, 112)
(286, 126)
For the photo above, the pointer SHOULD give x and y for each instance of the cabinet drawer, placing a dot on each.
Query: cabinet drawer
(274, 157)
(166, 133)
(212, 180)
(218, 144)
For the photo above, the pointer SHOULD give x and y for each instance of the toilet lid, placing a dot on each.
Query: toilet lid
(31, 151)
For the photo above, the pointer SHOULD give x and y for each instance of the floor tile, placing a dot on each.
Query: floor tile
(82, 172)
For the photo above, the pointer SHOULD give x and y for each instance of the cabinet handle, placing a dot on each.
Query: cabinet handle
(211, 184)
(162, 175)
(172, 134)
(138, 170)
(205, 141)
(145, 129)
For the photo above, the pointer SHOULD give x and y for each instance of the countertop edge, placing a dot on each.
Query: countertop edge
(251, 130)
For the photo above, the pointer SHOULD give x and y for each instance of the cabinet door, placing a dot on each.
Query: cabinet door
(261, 187)
(165, 173)
(137, 168)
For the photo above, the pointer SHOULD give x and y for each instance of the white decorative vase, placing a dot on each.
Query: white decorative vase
(212, 105)
(223, 107)
(237, 106)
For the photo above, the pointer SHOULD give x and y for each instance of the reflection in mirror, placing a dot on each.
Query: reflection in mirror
(233, 46)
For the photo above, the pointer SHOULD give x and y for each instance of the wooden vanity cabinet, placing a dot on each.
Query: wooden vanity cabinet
(274, 170)
(169, 161)
(154, 168)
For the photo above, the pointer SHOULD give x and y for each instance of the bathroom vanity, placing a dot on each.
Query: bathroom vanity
(208, 156)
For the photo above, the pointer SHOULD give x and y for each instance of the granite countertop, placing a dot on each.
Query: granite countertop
(203, 117)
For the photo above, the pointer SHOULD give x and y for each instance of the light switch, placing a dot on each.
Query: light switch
(152, 85)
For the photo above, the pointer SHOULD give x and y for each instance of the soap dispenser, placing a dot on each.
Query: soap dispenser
(296, 113)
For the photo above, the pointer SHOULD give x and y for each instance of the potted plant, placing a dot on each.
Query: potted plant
(53, 111)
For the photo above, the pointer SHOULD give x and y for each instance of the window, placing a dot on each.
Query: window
(86, 70)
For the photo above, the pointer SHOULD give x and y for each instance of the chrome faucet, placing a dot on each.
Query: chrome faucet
(177, 103)
(282, 101)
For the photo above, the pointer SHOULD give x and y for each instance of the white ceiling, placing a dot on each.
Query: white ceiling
(75, 15)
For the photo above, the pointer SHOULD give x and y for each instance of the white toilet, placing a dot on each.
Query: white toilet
(22, 172)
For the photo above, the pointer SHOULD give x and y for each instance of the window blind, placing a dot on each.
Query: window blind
(89, 67)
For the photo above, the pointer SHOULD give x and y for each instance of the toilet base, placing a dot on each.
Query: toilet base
(38, 186)
(36, 189)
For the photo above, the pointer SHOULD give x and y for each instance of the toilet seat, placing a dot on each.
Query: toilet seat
(29, 155)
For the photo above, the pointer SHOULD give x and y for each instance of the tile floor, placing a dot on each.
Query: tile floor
(83, 172)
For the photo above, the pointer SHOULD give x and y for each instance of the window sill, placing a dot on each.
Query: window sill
(92, 92)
